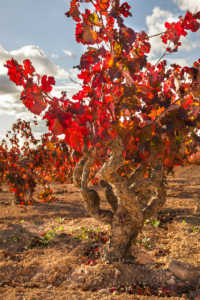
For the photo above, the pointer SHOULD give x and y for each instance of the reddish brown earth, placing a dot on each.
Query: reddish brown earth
(50, 250)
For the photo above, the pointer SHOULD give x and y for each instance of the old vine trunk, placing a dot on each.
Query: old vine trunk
(132, 200)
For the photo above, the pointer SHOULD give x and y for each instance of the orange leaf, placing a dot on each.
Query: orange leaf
(156, 112)
(89, 36)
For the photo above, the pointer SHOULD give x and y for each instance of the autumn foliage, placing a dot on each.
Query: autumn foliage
(26, 161)
(153, 108)
(132, 120)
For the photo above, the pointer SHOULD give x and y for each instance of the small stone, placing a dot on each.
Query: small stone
(171, 281)
(169, 274)
(184, 271)
(104, 291)
(49, 287)
(115, 293)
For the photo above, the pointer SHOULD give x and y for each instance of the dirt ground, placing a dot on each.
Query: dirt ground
(51, 250)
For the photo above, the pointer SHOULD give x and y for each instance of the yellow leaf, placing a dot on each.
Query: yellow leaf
(117, 48)
(94, 19)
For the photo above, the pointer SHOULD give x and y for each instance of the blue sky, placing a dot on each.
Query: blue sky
(39, 30)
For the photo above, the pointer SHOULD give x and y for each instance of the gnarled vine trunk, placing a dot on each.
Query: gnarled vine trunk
(132, 200)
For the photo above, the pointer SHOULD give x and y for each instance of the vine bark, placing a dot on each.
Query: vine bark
(132, 200)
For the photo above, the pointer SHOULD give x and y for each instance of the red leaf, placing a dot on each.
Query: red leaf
(124, 9)
(56, 127)
(102, 4)
(37, 108)
(74, 11)
(15, 71)
(28, 68)
(47, 83)
(35, 102)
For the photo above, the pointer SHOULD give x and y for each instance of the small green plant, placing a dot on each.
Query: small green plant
(60, 220)
(50, 235)
(83, 234)
(196, 228)
(15, 238)
(145, 241)
(153, 222)
(91, 234)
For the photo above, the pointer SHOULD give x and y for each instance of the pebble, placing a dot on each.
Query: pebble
(169, 274)
(171, 281)
(49, 287)
(104, 291)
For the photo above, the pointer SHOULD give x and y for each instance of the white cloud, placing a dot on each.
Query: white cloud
(179, 61)
(39, 59)
(7, 86)
(10, 103)
(155, 25)
(155, 22)
(191, 5)
(69, 53)
(69, 88)
(54, 55)
(188, 45)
